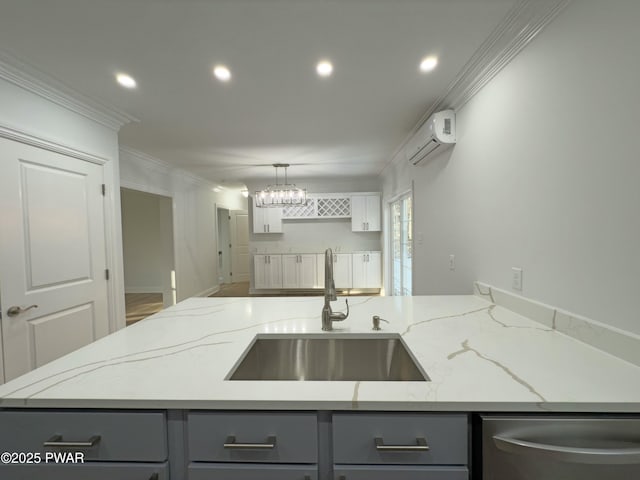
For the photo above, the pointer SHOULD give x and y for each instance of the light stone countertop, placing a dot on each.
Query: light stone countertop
(479, 356)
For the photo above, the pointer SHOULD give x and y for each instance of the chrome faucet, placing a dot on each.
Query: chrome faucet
(328, 317)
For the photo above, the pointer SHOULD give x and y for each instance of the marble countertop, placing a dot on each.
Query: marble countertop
(479, 356)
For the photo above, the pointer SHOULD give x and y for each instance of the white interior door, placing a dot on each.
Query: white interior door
(239, 245)
(53, 286)
(224, 246)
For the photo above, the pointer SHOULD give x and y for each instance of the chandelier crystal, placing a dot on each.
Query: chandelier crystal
(280, 194)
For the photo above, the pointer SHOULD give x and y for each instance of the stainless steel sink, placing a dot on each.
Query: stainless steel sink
(328, 357)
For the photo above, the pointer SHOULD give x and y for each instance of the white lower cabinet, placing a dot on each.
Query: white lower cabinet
(367, 270)
(299, 271)
(342, 270)
(267, 271)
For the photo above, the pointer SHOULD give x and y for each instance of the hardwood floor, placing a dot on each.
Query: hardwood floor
(238, 289)
(141, 305)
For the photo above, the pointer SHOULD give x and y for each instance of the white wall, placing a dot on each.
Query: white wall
(194, 217)
(544, 175)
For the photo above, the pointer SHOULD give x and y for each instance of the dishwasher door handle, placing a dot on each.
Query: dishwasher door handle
(602, 456)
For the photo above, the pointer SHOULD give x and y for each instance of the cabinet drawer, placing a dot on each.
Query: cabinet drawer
(354, 439)
(86, 471)
(117, 436)
(252, 472)
(257, 437)
(385, 472)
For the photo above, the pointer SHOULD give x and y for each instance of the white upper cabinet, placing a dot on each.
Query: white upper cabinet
(365, 213)
(267, 220)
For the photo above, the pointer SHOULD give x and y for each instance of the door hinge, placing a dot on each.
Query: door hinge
(104, 190)
(106, 274)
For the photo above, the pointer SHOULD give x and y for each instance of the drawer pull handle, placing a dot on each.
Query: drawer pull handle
(420, 446)
(56, 441)
(231, 443)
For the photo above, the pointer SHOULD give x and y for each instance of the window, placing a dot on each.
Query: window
(401, 245)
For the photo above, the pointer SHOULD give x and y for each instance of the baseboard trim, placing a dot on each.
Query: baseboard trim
(208, 291)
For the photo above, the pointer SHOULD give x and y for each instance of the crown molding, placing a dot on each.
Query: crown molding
(516, 30)
(29, 139)
(151, 162)
(31, 79)
(161, 166)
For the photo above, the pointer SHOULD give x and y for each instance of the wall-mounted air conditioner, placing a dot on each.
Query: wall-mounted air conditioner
(435, 135)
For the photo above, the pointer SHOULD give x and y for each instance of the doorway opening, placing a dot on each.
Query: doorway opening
(233, 252)
(147, 243)
(401, 245)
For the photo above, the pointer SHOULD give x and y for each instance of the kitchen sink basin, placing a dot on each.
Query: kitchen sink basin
(328, 357)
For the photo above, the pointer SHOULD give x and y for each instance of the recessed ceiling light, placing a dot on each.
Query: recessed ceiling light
(222, 73)
(428, 63)
(125, 80)
(324, 68)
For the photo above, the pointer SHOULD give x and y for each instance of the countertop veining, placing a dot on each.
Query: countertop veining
(479, 356)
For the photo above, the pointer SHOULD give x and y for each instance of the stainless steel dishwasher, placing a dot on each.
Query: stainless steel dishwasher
(529, 447)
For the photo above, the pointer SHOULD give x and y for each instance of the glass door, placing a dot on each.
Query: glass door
(401, 245)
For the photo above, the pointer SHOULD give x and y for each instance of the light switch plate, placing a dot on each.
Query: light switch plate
(516, 278)
(452, 262)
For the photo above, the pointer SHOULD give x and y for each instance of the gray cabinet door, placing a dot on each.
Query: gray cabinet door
(355, 434)
(386, 472)
(86, 471)
(123, 436)
(252, 472)
(276, 437)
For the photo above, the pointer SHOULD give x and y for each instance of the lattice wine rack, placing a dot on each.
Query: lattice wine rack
(334, 207)
(317, 206)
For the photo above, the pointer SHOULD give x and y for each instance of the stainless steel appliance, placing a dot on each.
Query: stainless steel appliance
(560, 447)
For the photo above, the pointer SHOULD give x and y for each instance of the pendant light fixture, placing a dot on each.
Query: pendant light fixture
(281, 194)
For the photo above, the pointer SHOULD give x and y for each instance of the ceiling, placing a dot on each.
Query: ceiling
(275, 108)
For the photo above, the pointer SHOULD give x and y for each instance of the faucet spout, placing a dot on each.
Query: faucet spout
(328, 316)
(329, 284)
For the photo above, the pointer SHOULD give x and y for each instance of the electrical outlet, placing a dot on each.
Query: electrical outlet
(516, 278)
(452, 262)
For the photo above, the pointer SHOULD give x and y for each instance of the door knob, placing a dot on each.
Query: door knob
(15, 310)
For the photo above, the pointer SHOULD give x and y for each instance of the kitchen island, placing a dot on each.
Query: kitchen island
(479, 357)
(152, 401)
